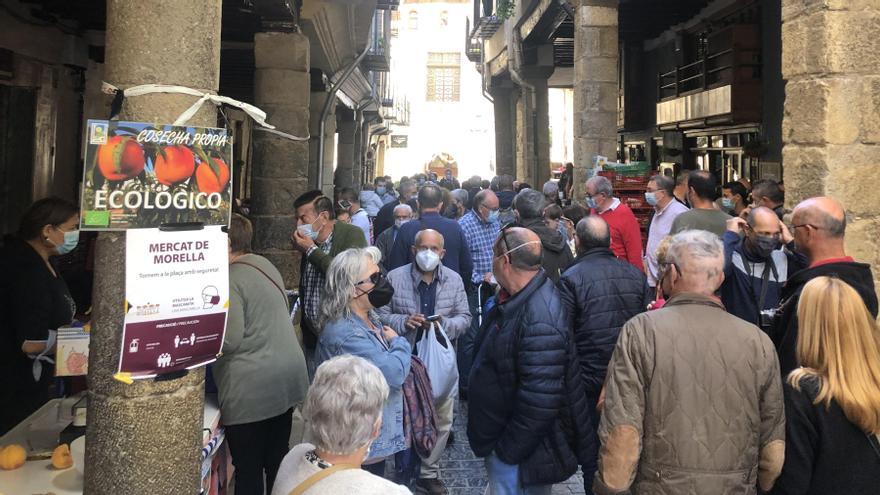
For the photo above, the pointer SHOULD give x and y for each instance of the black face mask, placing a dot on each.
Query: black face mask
(381, 293)
(763, 246)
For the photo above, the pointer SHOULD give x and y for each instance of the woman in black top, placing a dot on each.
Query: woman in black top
(832, 403)
(36, 302)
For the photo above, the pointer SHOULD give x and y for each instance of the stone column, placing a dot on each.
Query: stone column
(504, 145)
(146, 437)
(541, 137)
(524, 142)
(830, 130)
(346, 166)
(280, 166)
(595, 85)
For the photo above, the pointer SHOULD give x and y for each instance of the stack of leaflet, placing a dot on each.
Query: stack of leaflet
(72, 354)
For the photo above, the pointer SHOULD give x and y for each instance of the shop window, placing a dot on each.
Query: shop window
(444, 77)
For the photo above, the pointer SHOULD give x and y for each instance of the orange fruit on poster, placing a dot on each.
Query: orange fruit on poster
(121, 158)
(61, 458)
(209, 181)
(177, 165)
(12, 457)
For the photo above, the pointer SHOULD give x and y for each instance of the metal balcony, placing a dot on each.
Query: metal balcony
(473, 47)
(387, 4)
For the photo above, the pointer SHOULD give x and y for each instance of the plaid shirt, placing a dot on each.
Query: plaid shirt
(480, 237)
(312, 284)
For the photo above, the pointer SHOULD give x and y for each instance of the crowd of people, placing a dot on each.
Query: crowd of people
(732, 349)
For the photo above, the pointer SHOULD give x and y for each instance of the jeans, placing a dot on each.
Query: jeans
(257, 450)
(504, 479)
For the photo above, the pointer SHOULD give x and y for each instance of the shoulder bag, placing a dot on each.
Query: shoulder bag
(320, 475)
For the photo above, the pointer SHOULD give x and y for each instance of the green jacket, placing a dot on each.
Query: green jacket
(345, 236)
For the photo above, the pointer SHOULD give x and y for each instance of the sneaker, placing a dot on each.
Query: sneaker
(431, 487)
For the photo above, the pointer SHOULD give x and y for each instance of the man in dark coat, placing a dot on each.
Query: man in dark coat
(528, 415)
(600, 293)
(819, 226)
(529, 207)
(385, 218)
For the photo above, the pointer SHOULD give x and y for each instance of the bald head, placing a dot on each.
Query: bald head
(825, 214)
(522, 246)
(763, 220)
(592, 232)
(428, 238)
(485, 197)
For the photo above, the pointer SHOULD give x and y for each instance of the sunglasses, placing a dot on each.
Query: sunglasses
(374, 278)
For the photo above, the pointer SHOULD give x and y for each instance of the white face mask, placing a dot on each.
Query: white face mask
(400, 222)
(427, 260)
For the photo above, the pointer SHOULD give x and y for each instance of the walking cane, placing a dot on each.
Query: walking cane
(480, 304)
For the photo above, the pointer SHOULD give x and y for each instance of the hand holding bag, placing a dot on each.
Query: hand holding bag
(440, 361)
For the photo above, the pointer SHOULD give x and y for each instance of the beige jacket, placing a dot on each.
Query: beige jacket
(693, 405)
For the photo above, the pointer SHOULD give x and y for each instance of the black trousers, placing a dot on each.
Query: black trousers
(257, 449)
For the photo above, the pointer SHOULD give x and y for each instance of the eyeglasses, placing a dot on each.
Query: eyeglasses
(374, 278)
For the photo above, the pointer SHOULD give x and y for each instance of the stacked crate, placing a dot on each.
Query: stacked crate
(629, 181)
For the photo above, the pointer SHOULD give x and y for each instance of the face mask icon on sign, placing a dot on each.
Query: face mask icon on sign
(210, 297)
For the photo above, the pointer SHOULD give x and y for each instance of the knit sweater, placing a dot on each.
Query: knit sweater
(626, 235)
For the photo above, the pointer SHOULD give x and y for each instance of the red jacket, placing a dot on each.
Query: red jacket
(626, 235)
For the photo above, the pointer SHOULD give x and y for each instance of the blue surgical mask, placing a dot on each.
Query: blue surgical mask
(71, 239)
(493, 216)
(308, 231)
(727, 203)
(591, 203)
(380, 190)
(651, 198)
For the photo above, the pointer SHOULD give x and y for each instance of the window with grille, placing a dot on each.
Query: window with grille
(444, 75)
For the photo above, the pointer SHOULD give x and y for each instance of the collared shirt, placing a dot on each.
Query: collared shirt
(661, 225)
(362, 221)
(313, 284)
(427, 296)
(614, 204)
(480, 237)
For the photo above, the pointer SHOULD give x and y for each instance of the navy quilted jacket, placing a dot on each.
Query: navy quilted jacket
(527, 403)
(600, 293)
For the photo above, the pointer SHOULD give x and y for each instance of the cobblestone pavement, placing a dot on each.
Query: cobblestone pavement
(464, 474)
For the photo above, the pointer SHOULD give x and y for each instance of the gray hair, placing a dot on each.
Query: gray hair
(601, 184)
(404, 206)
(344, 272)
(344, 404)
(699, 255)
(551, 188)
(663, 183)
(529, 203)
(460, 195)
(418, 239)
(593, 232)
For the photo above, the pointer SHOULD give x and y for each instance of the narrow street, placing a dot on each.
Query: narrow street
(464, 473)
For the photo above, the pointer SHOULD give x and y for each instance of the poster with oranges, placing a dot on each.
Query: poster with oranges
(142, 175)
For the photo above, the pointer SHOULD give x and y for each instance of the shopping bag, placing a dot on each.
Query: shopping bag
(440, 361)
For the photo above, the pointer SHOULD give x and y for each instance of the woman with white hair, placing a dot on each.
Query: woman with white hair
(355, 286)
(344, 414)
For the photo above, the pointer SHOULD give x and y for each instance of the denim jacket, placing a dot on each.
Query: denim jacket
(353, 336)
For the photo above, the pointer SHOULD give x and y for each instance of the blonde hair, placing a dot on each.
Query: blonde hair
(839, 343)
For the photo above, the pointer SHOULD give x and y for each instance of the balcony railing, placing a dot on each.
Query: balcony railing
(387, 4)
(733, 61)
(473, 47)
(378, 58)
